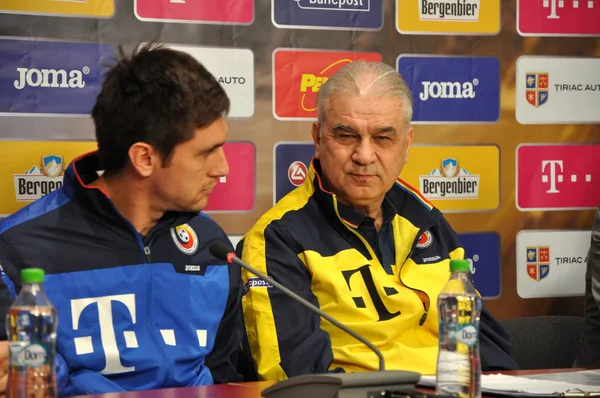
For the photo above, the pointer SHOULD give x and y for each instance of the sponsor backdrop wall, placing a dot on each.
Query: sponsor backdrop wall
(507, 106)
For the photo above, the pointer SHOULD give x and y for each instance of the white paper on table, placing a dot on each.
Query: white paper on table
(519, 386)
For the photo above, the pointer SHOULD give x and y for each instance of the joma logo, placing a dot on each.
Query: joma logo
(448, 90)
(50, 78)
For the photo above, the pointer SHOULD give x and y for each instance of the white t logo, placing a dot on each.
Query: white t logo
(553, 177)
(83, 345)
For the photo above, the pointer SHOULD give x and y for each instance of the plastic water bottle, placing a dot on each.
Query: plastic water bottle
(459, 308)
(31, 325)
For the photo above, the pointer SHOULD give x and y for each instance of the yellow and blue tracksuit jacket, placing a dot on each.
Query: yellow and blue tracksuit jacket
(304, 243)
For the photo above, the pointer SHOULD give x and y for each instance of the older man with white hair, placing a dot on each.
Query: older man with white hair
(356, 241)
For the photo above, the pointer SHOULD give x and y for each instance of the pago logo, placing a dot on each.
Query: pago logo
(33, 355)
(298, 76)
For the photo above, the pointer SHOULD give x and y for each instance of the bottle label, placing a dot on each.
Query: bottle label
(466, 334)
(29, 354)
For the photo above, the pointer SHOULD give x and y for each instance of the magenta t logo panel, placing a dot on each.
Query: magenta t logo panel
(558, 177)
(239, 12)
(558, 17)
(237, 191)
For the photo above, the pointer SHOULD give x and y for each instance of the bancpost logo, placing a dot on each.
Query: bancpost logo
(558, 17)
(328, 14)
(452, 89)
(557, 177)
(551, 263)
(66, 8)
(568, 89)
(234, 70)
(456, 178)
(482, 250)
(235, 192)
(238, 12)
(298, 75)
(448, 16)
(291, 161)
(53, 77)
(32, 170)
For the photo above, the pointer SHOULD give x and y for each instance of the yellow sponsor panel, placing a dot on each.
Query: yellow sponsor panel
(92, 8)
(448, 16)
(456, 178)
(30, 170)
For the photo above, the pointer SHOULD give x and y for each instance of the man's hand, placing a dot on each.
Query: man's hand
(3, 366)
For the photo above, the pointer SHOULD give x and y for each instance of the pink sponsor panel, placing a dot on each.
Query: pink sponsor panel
(201, 11)
(237, 191)
(558, 177)
(558, 17)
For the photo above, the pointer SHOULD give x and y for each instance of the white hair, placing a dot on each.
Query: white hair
(387, 83)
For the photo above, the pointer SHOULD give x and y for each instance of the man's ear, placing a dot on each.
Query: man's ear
(410, 135)
(316, 136)
(144, 158)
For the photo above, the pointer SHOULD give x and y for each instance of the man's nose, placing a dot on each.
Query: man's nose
(221, 167)
(364, 152)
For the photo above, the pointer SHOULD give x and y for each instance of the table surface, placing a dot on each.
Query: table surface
(250, 390)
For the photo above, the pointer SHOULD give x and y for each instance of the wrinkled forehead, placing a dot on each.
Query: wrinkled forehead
(366, 112)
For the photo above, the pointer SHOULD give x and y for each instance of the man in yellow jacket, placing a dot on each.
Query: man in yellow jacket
(356, 241)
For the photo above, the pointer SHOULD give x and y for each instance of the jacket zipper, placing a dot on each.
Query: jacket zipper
(148, 261)
(425, 306)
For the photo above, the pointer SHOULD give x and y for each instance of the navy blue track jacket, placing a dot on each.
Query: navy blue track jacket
(135, 312)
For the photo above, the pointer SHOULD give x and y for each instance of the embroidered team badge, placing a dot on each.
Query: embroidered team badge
(425, 240)
(185, 239)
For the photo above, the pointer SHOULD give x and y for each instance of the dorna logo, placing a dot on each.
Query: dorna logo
(538, 262)
(450, 181)
(185, 239)
(537, 88)
(40, 180)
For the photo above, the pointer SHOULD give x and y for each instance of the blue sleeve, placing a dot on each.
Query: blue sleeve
(62, 373)
(9, 274)
(223, 361)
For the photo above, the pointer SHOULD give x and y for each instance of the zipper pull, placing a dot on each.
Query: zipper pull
(422, 321)
(148, 254)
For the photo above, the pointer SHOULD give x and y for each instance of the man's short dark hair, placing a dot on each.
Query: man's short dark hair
(158, 96)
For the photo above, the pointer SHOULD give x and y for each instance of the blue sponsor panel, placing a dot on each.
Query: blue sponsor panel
(328, 14)
(291, 164)
(43, 77)
(453, 89)
(482, 249)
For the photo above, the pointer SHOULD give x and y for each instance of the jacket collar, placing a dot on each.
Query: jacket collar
(401, 199)
(83, 171)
